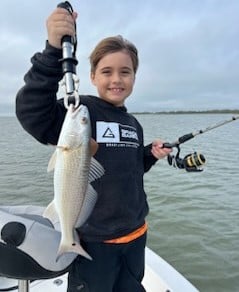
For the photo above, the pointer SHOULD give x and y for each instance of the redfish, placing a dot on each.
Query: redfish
(74, 170)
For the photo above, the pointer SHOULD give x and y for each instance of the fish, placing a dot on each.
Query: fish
(74, 169)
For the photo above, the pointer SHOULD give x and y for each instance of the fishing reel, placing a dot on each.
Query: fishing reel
(191, 162)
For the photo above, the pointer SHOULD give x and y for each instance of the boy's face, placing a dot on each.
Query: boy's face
(114, 77)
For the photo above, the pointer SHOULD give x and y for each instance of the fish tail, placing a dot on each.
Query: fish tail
(74, 247)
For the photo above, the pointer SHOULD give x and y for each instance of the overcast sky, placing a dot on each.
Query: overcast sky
(188, 49)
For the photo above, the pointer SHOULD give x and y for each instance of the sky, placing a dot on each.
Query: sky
(188, 49)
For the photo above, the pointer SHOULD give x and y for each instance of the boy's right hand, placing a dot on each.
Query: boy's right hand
(59, 24)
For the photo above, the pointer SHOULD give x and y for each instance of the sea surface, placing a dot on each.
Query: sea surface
(194, 217)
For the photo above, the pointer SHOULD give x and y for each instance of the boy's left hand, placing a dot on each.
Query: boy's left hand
(158, 151)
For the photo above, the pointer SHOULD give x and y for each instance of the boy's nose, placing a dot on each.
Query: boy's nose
(116, 77)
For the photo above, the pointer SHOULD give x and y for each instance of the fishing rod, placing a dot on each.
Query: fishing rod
(69, 62)
(193, 161)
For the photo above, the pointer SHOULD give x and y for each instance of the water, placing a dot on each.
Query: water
(193, 222)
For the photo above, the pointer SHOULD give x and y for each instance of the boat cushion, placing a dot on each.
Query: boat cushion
(29, 244)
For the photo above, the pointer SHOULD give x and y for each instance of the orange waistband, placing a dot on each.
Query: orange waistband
(129, 237)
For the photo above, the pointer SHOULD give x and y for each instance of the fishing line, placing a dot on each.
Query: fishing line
(192, 162)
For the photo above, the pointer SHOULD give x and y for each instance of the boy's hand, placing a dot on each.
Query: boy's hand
(59, 24)
(158, 151)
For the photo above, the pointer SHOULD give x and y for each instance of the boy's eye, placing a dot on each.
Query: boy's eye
(125, 72)
(121, 72)
(106, 72)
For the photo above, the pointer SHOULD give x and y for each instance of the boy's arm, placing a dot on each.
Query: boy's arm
(149, 159)
(153, 152)
(36, 103)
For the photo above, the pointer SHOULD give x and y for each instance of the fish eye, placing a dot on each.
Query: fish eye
(84, 120)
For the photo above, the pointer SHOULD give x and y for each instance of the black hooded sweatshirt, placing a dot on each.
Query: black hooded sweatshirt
(121, 206)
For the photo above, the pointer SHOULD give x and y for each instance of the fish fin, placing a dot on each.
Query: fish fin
(52, 162)
(51, 213)
(87, 206)
(96, 170)
(75, 247)
(93, 146)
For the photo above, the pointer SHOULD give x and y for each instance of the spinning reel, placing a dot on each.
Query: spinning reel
(191, 162)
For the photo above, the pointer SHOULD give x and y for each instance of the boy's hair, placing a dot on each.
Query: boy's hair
(112, 45)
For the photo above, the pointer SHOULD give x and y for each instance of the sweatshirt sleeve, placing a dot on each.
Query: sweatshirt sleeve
(37, 108)
(149, 159)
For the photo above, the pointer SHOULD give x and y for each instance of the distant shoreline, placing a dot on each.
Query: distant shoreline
(176, 112)
(215, 111)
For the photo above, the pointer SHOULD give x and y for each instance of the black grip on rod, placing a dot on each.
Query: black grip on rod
(185, 138)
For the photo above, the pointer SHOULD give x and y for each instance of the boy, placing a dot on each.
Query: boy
(115, 233)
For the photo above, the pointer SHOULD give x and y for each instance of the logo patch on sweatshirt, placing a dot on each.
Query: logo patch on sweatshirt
(115, 134)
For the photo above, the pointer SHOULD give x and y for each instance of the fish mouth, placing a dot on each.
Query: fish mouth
(82, 110)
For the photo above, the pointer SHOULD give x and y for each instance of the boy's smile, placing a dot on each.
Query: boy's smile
(114, 77)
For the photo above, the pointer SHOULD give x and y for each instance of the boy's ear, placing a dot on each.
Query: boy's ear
(92, 77)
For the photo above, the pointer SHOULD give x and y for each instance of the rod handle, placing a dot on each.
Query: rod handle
(66, 5)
